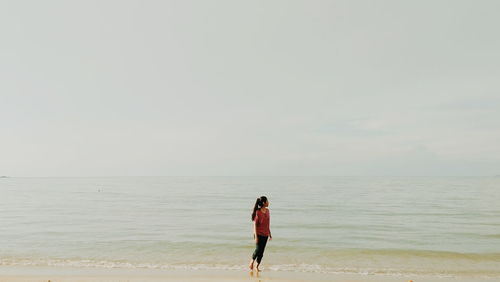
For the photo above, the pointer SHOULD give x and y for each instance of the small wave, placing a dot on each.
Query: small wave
(402, 253)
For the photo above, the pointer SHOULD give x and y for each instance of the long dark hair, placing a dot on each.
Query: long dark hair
(258, 204)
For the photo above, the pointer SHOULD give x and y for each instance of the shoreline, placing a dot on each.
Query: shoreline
(67, 274)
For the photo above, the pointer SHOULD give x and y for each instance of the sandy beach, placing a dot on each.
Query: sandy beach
(66, 274)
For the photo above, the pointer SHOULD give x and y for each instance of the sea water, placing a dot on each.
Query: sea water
(443, 226)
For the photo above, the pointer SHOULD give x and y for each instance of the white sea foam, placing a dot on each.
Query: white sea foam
(311, 268)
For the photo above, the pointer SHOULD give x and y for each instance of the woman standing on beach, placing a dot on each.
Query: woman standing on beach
(261, 231)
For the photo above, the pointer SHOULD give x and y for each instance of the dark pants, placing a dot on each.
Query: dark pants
(259, 248)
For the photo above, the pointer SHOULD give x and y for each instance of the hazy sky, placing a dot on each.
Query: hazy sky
(98, 88)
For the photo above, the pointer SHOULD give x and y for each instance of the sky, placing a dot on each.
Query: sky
(249, 88)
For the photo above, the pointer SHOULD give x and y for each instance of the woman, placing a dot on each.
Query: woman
(261, 231)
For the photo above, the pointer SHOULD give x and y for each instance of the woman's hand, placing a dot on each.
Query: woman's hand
(270, 237)
(256, 239)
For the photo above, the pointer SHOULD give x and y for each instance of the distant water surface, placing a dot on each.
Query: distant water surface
(443, 226)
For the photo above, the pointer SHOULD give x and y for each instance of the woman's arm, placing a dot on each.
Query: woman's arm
(270, 236)
(255, 231)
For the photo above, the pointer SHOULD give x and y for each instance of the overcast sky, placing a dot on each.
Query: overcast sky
(109, 88)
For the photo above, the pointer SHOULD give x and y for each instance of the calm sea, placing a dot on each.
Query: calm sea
(443, 226)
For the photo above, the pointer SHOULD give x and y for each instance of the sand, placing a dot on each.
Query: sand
(67, 274)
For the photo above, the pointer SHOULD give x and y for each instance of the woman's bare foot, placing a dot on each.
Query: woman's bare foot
(251, 265)
(257, 267)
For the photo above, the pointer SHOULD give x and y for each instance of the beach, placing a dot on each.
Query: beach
(39, 274)
(139, 139)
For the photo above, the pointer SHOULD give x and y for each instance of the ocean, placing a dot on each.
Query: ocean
(438, 226)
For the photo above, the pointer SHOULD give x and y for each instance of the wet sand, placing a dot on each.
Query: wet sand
(67, 274)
